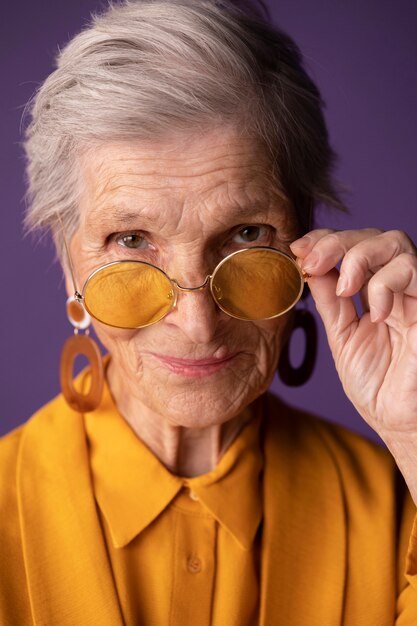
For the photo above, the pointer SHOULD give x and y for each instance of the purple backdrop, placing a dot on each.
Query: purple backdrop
(363, 56)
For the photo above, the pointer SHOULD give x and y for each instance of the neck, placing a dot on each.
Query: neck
(184, 451)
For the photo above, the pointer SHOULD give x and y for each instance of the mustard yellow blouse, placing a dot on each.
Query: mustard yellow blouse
(182, 551)
(337, 540)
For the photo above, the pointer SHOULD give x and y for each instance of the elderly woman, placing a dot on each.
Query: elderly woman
(177, 154)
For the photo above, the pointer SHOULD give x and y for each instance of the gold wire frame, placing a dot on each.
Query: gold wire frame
(303, 279)
(176, 287)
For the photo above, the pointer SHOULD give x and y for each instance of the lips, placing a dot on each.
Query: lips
(193, 367)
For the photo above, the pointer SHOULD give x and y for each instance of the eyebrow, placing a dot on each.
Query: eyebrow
(113, 217)
(116, 216)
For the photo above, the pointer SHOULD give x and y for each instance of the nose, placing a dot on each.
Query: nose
(196, 314)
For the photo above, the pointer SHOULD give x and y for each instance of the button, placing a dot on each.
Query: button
(193, 495)
(194, 564)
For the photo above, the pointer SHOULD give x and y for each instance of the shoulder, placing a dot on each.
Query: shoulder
(10, 443)
(9, 451)
(9, 446)
(333, 463)
(358, 461)
(302, 424)
(14, 600)
(23, 454)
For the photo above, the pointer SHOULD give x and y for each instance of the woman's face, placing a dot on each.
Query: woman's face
(183, 206)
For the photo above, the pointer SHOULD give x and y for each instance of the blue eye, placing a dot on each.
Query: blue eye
(132, 240)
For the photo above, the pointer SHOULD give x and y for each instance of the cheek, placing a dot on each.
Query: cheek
(115, 340)
(274, 331)
(270, 335)
(259, 344)
(266, 340)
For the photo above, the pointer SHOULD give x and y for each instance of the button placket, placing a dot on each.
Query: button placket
(194, 564)
(194, 577)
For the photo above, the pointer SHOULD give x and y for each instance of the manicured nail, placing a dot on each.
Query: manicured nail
(341, 286)
(303, 242)
(311, 262)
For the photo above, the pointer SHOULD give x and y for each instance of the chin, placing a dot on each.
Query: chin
(202, 407)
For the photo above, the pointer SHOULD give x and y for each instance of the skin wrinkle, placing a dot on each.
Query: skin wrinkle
(104, 172)
(197, 164)
(187, 422)
(177, 230)
(117, 216)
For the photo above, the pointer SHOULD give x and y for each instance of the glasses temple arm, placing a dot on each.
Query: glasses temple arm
(77, 294)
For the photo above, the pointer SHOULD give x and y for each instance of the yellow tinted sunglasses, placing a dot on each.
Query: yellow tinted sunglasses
(251, 284)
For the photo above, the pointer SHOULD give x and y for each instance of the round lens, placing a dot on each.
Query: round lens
(257, 284)
(128, 294)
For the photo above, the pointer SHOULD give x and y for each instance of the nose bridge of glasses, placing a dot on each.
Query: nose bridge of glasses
(197, 288)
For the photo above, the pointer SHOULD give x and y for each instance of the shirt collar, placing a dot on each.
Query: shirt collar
(232, 490)
(132, 487)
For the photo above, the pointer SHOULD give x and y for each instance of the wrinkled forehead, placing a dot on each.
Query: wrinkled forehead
(212, 175)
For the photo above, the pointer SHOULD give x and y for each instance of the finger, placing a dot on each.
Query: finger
(398, 277)
(364, 298)
(338, 314)
(330, 248)
(303, 246)
(368, 256)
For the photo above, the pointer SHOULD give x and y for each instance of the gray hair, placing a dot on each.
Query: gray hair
(147, 67)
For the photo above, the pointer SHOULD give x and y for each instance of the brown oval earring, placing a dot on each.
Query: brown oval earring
(73, 347)
(297, 376)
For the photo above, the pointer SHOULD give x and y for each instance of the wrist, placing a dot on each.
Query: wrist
(403, 447)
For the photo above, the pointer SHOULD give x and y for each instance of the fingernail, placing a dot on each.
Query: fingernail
(311, 262)
(303, 242)
(341, 286)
